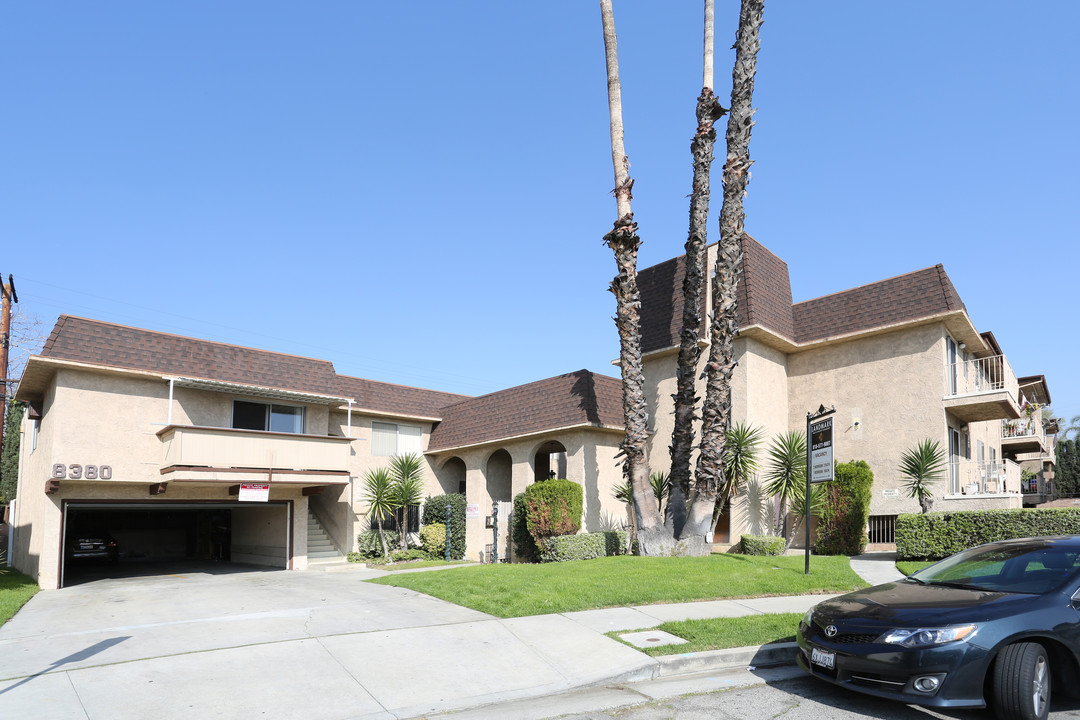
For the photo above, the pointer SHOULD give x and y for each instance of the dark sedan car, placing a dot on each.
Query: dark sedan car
(998, 624)
(93, 544)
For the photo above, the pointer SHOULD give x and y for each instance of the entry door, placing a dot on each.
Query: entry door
(954, 460)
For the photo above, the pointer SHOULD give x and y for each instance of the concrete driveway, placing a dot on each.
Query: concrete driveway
(281, 644)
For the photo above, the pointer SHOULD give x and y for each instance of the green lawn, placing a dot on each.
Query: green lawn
(15, 590)
(718, 633)
(909, 566)
(414, 564)
(515, 590)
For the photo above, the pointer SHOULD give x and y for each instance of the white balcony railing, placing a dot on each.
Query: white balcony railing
(981, 375)
(969, 477)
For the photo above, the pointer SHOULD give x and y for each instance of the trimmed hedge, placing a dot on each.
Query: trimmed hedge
(553, 507)
(938, 535)
(763, 545)
(842, 524)
(524, 545)
(435, 512)
(586, 546)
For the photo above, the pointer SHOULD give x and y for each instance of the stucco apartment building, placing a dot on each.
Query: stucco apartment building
(899, 359)
(159, 439)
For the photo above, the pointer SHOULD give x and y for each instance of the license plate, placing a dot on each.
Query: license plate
(823, 658)
(86, 546)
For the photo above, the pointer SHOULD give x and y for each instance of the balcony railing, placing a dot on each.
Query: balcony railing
(215, 447)
(981, 375)
(969, 477)
(1022, 428)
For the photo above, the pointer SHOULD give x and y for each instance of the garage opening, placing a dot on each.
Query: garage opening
(110, 540)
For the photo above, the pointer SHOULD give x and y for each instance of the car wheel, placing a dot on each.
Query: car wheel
(1022, 683)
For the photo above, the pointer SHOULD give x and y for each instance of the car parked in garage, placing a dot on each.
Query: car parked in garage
(995, 625)
(93, 545)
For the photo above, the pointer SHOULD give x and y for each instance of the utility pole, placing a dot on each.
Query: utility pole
(9, 296)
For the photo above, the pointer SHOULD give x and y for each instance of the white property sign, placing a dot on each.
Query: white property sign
(472, 511)
(821, 451)
(254, 492)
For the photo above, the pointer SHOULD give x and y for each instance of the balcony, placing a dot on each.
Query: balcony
(1025, 435)
(969, 477)
(213, 454)
(981, 389)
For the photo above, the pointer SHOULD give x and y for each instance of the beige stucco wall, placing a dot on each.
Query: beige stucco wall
(887, 392)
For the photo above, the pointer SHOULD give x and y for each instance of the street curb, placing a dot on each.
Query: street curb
(756, 656)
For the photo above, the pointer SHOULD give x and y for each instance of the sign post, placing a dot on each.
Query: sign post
(819, 461)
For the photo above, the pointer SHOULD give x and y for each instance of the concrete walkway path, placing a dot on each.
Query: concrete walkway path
(323, 645)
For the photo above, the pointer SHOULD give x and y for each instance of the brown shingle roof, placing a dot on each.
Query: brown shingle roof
(765, 290)
(101, 343)
(574, 399)
(905, 298)
(394, 399)
(764, 296)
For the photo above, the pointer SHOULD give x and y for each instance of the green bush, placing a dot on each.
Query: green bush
(583, 547)
(842, 524)
(435, 512)
(368, 545)
(763, 545)
(410, 554)
(553, 507)
(433, 539)
(524, 546)
(939, 534)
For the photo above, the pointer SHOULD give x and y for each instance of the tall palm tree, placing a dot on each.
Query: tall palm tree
(407, 472)
(716, 408)
(624, 242)
(381, 498)
(785, 477)
(701, 149)
(922, 466)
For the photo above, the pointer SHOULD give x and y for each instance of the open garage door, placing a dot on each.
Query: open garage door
(118, 539)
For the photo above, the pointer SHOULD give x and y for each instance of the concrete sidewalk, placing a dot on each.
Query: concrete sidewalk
(322, 645)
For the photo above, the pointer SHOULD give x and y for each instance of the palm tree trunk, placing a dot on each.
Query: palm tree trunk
(701, 149)
(716, 409)
(624, 242)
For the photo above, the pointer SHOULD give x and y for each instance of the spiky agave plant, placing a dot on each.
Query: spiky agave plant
(407, 472)
(922, 466)
(381, 499)
(786, 471)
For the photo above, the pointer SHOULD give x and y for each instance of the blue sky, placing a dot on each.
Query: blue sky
(418, 191)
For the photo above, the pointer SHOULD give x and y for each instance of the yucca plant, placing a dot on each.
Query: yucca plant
(661, 488)
(381, 499)
(786, 473)
(923, 465)
(740, 456)
(407, 472)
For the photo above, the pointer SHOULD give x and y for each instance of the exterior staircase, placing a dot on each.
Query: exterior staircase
(322, 555)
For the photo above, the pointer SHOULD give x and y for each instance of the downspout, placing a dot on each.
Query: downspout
(348, 431)
(168, 420)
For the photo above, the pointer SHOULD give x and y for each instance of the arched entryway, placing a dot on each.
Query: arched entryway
(451, 476)
(498, 471)
(549, 461)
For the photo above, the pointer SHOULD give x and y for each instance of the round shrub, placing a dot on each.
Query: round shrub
(433, 540)
(435, 512)
(553, 507)
(842, 525)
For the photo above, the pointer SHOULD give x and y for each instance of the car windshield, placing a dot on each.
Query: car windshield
(1021, 567)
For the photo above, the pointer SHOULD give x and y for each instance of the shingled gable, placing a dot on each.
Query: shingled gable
(905, 298)
(100, 343)
(576, 399)
(764, 294)
(389, 399)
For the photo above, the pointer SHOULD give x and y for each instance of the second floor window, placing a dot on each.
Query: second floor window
(393, 439)
(249, 415)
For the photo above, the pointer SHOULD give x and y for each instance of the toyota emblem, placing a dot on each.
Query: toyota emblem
(830, 631)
